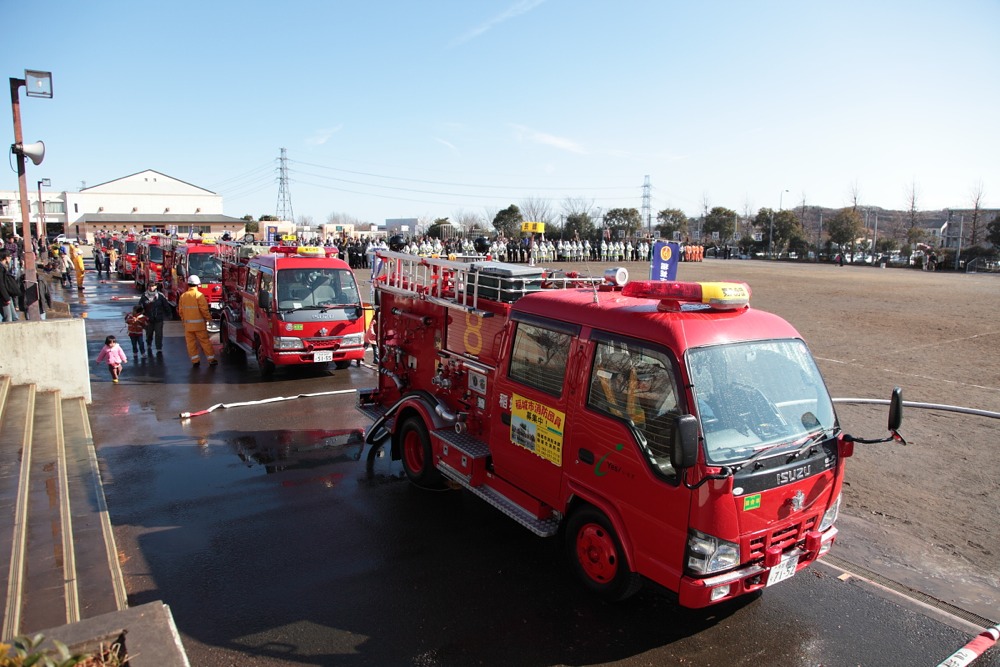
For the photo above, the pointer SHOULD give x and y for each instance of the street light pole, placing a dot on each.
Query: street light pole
(43, 80)
(770, 231)
(41, 215)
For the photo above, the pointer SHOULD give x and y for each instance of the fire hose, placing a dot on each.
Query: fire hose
(926, 406)
(975, 648)
(273, 399)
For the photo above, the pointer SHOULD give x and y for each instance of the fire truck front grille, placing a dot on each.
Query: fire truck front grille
(322, 343)
(784, 537)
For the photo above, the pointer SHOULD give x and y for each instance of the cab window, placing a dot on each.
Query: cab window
(637, 385)
(539, 357)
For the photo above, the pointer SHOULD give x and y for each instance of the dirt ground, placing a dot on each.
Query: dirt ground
(923, 515)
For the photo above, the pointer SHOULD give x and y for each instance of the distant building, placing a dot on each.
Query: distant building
(147, 201)
(405, 226)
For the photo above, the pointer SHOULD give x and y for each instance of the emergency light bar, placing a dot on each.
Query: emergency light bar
(718, 296)
(305, 251)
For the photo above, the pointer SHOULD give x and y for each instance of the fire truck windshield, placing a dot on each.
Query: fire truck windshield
(156, 254)
(206, 266)
(316, 287)
(756, 395)
(130, 247)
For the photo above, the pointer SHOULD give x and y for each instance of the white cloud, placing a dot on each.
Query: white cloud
(322, 136)
(562, 143)
(448, 144)
(515, 10)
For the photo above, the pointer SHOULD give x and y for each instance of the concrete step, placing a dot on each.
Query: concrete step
(57, 553)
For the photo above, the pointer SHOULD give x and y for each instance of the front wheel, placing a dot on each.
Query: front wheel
(417, 454)
(265, 365)
(596, 555)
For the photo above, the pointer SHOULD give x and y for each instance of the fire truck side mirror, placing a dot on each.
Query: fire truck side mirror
(684, 453)
(896, 409)
(264, 299)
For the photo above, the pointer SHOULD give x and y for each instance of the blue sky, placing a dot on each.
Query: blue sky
(435, 108)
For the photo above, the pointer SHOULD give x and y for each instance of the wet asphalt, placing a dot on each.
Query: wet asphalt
(262, 530)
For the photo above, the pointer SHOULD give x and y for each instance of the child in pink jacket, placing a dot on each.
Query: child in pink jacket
(115, 356)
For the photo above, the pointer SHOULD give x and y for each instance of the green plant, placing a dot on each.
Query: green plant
(25, 652)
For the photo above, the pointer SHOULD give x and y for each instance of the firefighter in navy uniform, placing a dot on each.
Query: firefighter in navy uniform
(193, 308)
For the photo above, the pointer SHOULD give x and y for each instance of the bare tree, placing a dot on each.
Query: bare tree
(536, 209)
(578, 206)
(855, 195)
(913, 233)
(977, 206)
(467, 221)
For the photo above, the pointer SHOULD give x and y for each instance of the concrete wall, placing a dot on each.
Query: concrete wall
(51, 354)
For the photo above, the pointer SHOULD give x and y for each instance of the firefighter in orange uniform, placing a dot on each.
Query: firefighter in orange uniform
(193, 308)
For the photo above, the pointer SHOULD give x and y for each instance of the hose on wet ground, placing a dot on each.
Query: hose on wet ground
(274, 399)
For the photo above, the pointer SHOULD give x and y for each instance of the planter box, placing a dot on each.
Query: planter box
(147, 632)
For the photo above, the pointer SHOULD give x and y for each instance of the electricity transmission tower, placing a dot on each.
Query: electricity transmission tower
(284, 209)
(645, 205)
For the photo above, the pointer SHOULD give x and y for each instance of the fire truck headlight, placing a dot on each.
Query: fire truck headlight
(830, 517)
(707, 554)
(353, 340)
(283, 343)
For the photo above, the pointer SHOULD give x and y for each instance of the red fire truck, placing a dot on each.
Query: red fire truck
(200, 257)
(672, 432)
(149, 260)
(290, 305)
(126, 256)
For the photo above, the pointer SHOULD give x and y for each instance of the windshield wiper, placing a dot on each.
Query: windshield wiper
(812, 440)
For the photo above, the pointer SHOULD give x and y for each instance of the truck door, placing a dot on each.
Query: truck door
(629, 404)
(529, 426)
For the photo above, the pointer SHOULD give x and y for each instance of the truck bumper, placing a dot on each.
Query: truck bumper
(698, 592)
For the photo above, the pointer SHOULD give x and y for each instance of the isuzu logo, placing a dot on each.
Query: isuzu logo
(793, 475)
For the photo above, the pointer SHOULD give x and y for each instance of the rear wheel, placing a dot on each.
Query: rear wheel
(596, 555)
(344, 363)
(417, 455)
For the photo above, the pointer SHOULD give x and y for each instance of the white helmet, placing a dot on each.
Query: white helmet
(194, 280)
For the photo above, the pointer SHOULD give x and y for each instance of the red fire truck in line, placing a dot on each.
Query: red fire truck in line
(149, 260)
(290, 305)
(672, 432)
(200, 257)
(126, 256)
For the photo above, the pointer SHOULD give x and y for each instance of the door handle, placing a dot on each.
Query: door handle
(586, 456)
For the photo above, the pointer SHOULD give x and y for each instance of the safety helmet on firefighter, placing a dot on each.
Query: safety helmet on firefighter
(194, 280)
(482, 245)
(397, 243)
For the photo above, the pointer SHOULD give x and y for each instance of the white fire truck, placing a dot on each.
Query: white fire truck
(673, 433)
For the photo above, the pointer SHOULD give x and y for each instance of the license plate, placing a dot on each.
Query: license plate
(783, 570)
(322, 355)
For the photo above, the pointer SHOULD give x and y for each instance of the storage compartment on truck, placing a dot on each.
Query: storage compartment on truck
(503, 282)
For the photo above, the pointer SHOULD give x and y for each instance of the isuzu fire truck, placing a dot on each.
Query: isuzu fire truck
(126, 256)
(289, 306)
(668, 430)
(199, 257)
(149, 260)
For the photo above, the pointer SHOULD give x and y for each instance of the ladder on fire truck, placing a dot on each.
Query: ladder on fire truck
(462, 285)
(237, 252)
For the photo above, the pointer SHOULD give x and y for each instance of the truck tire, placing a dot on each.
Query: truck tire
(418, 457)
(596, 555)
(265, 365)
(343, 364)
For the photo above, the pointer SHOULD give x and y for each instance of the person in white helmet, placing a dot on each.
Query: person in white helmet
(193, 308)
